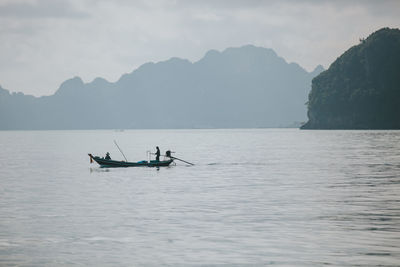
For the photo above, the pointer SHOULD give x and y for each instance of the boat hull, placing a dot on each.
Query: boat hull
(108, 163)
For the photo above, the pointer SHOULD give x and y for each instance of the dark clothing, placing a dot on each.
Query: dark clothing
(158, 154)
(108, 156)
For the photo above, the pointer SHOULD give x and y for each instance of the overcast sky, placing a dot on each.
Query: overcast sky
(45, 42)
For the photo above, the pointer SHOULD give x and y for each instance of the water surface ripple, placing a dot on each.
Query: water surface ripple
(280, 197)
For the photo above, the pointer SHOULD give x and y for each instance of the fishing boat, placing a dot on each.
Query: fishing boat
(109, 163)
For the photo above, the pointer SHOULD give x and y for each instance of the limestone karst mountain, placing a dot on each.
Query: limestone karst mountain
(240, 87)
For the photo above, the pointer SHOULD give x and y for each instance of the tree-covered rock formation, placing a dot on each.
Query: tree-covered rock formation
(361, 89)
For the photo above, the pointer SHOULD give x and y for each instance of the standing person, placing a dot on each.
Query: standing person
(158, 154)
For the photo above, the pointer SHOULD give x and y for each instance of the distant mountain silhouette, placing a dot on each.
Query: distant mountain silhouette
(239, 87)
(361, 89)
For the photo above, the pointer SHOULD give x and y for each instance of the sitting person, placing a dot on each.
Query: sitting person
(107, 156)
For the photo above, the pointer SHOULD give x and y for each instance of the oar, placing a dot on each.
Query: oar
(182, 160)
(120, 150)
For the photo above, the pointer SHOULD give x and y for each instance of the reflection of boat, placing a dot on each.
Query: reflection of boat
(114, 163)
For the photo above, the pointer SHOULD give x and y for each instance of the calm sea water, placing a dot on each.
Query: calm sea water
(282, 197)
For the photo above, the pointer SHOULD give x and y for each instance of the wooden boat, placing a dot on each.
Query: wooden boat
(109, 163)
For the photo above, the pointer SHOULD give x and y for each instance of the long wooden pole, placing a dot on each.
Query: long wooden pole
(120, 150)
(182, 160)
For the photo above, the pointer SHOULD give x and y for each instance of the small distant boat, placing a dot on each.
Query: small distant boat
(109, 163)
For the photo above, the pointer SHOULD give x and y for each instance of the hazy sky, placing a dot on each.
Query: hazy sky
(44, 42)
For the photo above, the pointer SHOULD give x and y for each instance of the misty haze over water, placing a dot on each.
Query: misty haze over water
(223, 84)
(243, 87)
